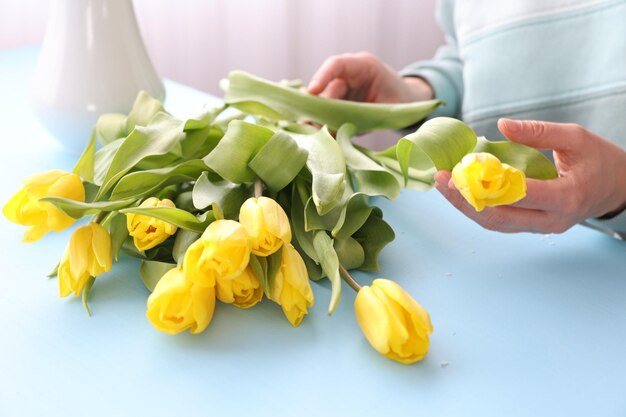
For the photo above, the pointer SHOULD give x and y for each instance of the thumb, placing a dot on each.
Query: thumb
(541, 135)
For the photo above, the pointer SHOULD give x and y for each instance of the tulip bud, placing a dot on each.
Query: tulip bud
(484, 181)
(88, 254)
(291, 287)
(147, 232)
(243, 291)
(25, 208)
(266, 223)
(177, 304)
(392, 321)
(222, 251)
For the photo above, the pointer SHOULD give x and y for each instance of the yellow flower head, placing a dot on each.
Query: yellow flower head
(177, 304)
(25, 208)
(147, 232)
(88, 254)
(292, 289)
(266, 223)
(392, 321)
(243, 291)
(484, 181)
(222, 251)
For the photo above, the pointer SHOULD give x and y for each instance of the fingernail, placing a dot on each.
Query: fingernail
(313, 85)
(512, 126)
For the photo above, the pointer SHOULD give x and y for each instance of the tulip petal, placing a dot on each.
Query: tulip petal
(371, 314)
(203, 307)
(79, 247)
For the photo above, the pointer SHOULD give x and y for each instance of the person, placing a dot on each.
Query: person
(550, 74)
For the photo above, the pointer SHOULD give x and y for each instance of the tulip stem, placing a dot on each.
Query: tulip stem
(100, 217)
(348, 278)
(258, 187)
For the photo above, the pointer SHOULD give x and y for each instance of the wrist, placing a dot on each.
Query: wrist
(418, 88)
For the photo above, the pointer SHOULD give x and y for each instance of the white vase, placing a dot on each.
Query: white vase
(92, 61)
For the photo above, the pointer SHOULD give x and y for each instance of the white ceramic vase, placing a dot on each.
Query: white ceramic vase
(92, 61)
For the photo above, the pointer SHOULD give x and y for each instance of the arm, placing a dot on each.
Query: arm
(591, 182)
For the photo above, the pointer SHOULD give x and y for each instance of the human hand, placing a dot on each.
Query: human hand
(364, 77)
(591, 183)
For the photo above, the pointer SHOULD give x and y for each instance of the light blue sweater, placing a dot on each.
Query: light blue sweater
(553, 60)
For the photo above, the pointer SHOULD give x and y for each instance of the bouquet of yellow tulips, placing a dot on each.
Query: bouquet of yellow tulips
(245, 201)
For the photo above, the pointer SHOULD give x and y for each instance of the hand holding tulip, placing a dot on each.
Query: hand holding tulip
(591, 183)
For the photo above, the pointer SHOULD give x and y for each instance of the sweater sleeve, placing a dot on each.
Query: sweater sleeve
(445, 71)
(615, 225)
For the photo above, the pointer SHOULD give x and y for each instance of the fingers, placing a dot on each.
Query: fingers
(543, 135)
(542, 194)
(349, 67)
(337, 88)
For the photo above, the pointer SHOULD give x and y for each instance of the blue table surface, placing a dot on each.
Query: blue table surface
(525, 324)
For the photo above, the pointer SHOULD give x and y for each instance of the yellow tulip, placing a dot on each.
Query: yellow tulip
(177, 304)
(88, 254)
(484, 181)
(25, 208)
(266, 223)
(392, 321)
(147, 232)
(222, 251)
(292, 288)
(243, 291)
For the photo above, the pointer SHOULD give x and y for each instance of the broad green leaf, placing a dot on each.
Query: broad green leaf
(350, 253)
(110, 127)
(161, 136)
(330, 265)
(279, 161)
(275, 101)
(175, 216)
(328, 169)
(118, 229)
(84, 168)
(313, 269)
(86, 292)
(147, 183)
(77, 209)
(532, 162)
(152, 271)
(184, 239)
(274, 262)
(227, 195)
(238, 147)
(297, 218)
(353, 215)
(144, 109)
(443, 139)
(373, 237)
(370, 177)
(103, 158)
(259, 267)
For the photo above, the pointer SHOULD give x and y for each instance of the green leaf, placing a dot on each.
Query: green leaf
(84, 168)
(147, 183)
(117, 225)
(350, 253)
(532, 162)
(330, 265)
(373, 236)
(144, 109)
(152, 271)
(77, 209)
(279, 161)
(86, 292)
(443, 139)
(175, 216)
(303, 237)
(161, 136)
(110, 127)
(274, 262)
(103, 158)
(328, 168)
(275, 101)
(370, 177)
(238, 147)
(353, 215)
(184, 239)
(227, 195)
(259, 267)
